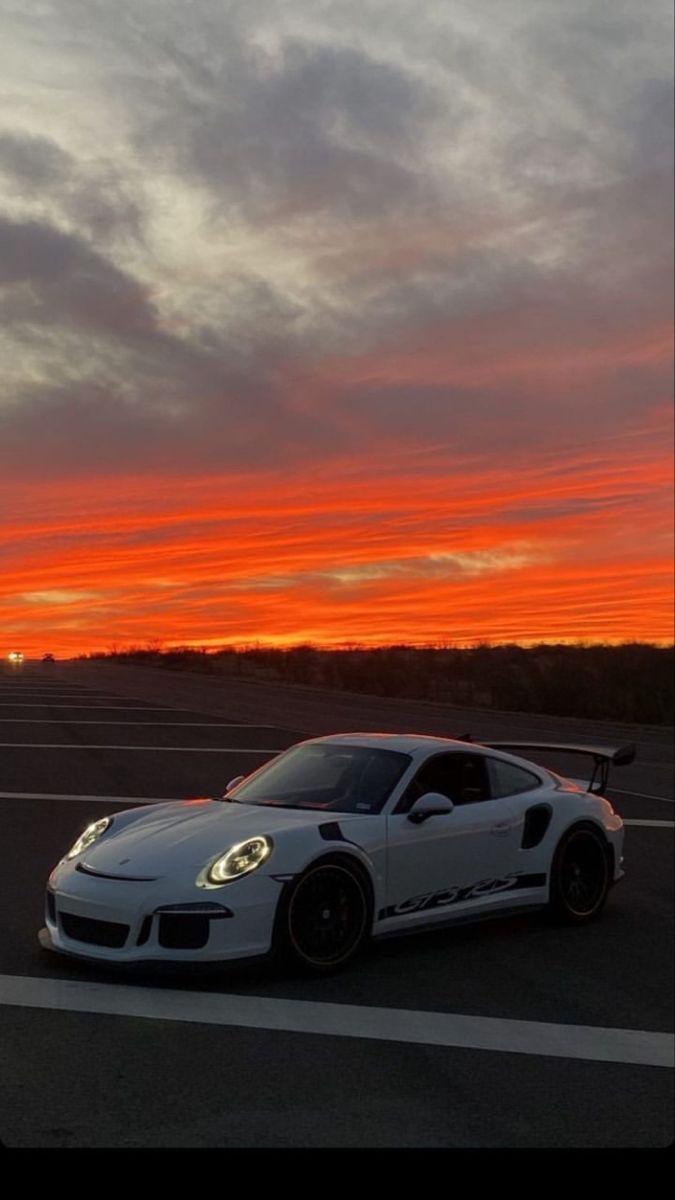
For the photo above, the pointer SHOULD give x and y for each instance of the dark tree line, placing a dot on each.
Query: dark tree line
(632, 682)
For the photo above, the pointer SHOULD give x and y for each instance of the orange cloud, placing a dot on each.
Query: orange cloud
(560, 550)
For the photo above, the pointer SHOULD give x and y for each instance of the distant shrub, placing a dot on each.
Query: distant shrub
(632, 682)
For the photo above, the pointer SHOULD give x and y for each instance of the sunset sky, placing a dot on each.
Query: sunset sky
(343, 321)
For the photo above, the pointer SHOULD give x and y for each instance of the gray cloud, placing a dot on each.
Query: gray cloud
(32, 160)
(207, 417)
(256, 189)
(103, 207)
(58, 277)
(89, 196)
(308, 129)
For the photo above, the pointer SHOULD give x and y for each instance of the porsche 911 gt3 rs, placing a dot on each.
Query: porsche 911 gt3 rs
(336, 840)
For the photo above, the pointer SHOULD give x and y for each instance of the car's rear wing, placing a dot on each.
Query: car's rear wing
(603, 757)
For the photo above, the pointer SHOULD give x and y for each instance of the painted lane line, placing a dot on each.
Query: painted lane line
(60, 692)
(57, 696)
(641, 795)
(103, 707)
(159, 749)
(90, 799)
(594, 1043)
(653, 824)
(133, 724)
(66, 697)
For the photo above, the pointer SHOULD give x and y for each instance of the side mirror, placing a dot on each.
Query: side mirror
(433, 804)
(233, 783)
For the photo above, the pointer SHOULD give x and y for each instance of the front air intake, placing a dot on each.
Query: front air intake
(95, 933)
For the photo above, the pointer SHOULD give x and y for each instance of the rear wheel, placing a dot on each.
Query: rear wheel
(325, 917)
(580, 876)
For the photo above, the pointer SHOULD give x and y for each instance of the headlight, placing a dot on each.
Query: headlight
(90, 835)
(241, 859)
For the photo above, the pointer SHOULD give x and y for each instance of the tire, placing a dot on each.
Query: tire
(580, 876)
(324, 919)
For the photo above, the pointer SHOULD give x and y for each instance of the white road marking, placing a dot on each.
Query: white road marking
(102, 707)
(594, 1043)
(134, 724)
(159, 749)
(641, 795)
(654, 824)
(61, 695)
(88, 799)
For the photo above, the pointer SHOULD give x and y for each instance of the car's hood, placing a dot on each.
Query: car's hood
(173, 837)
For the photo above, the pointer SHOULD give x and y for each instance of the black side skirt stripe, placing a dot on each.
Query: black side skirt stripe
(454, 895)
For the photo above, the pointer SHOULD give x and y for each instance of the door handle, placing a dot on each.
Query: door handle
(501, 829)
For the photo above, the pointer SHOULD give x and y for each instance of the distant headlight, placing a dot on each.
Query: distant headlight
(90, 835)
(241, 859)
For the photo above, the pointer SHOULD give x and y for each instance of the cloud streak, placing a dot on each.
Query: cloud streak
(555, 554)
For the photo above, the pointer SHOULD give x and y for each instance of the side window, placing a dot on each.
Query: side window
(463, 778)
(472, 783)
(508, 780)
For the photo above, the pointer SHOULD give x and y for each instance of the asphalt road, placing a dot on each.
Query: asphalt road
(98, 1060)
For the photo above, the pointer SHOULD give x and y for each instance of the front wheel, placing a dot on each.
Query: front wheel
(325, 917)
(580, 876)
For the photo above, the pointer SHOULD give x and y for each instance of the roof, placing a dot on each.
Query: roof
(405, 743)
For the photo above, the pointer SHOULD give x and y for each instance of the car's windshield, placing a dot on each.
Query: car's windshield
(333, 776)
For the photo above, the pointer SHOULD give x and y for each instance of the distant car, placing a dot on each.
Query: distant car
(48, 658)
(15, 656)
(333, 841)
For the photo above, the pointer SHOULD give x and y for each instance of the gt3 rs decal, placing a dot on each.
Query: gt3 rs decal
(454, 895)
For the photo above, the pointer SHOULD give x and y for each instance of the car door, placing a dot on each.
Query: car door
(455, 860)
(529, 796)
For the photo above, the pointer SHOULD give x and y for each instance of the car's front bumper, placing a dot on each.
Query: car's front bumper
(124, 922)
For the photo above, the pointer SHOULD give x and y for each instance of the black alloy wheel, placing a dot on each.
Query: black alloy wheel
(326, 917)
(581, 876)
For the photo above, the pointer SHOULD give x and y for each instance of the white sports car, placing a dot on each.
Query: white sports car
(333, 841)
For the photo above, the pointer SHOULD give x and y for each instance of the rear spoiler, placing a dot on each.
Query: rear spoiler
(603, 757)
